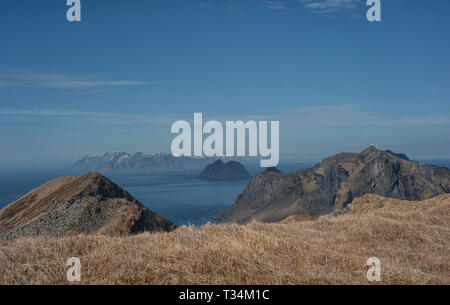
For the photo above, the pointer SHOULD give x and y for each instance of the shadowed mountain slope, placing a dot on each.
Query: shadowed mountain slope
(272, 195)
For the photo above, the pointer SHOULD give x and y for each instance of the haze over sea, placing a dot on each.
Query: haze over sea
(179, 196)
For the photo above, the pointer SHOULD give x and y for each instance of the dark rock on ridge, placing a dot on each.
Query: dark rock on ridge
(401, 156)
(85, 204)
(332, 184)
(224, 171)
(274, 170)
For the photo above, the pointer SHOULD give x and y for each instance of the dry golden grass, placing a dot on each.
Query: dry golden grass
(411, 239)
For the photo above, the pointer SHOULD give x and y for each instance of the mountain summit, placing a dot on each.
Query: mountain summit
(78, 204)
(272, 196)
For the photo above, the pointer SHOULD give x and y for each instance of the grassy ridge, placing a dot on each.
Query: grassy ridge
(412, 240)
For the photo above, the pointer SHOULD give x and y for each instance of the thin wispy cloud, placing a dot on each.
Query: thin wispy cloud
(345, 115)
(298, 118)
(20, 116)
(60, 81)
(239, 7)
(273, 5)
(352, 116)
(233, 6)
(330, 6)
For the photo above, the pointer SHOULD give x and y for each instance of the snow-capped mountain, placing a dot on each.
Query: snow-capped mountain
(150, 162)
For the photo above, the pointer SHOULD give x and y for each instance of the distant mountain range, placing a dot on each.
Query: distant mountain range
(149, 162)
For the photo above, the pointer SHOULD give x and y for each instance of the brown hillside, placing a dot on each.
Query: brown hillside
(412, 240)
(78, 204)
(297, 218)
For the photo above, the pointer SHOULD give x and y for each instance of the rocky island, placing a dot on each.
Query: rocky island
(218, 170)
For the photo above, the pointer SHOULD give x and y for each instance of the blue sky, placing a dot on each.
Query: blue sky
(118, 79)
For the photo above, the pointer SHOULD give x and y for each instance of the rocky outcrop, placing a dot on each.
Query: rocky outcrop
(271, 196)
(78, 204)
(224, 171)
(400, 155)
(297, 218)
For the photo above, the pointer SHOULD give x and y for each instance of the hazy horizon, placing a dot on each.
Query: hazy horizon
(119, 78)
(61, 164)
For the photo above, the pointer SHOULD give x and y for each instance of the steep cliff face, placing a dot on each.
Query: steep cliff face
(272, 196)
(85, 204)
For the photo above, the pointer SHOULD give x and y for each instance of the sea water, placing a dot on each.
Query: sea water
(178, 196)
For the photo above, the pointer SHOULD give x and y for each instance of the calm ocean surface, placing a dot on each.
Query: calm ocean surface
(179, 196)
